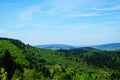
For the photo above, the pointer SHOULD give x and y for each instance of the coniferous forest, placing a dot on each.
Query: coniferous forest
(19, 61)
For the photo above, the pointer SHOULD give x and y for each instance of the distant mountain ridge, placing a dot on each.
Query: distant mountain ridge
(109, 47)
(56, 46)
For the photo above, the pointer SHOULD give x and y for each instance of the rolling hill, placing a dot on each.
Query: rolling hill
(56, 46)
(109, 47)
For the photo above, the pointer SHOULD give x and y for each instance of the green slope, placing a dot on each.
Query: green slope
(16, 53)
(30, 63)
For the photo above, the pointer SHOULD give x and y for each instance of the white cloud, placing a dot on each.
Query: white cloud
(108, 8)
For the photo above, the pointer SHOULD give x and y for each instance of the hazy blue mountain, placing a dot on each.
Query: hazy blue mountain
(110, 47)
(56, 46)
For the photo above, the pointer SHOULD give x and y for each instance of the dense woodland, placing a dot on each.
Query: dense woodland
(24, 62)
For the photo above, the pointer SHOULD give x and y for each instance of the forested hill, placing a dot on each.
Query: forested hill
(24, 62)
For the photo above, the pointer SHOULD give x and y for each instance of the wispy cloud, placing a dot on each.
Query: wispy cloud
(4, 31)
(63, 6)
(26, 16)
(40, 25)
(9, 4)
(29, 12)
(58, 11)
(85, 15)
(108, 8)
(22, 25)
(118, 16)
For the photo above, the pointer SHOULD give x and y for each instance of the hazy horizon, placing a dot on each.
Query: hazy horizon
(79, 22)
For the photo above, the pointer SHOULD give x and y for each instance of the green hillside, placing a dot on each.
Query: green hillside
(24, 62)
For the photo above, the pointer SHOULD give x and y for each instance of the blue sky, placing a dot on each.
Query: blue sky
(74, 22)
